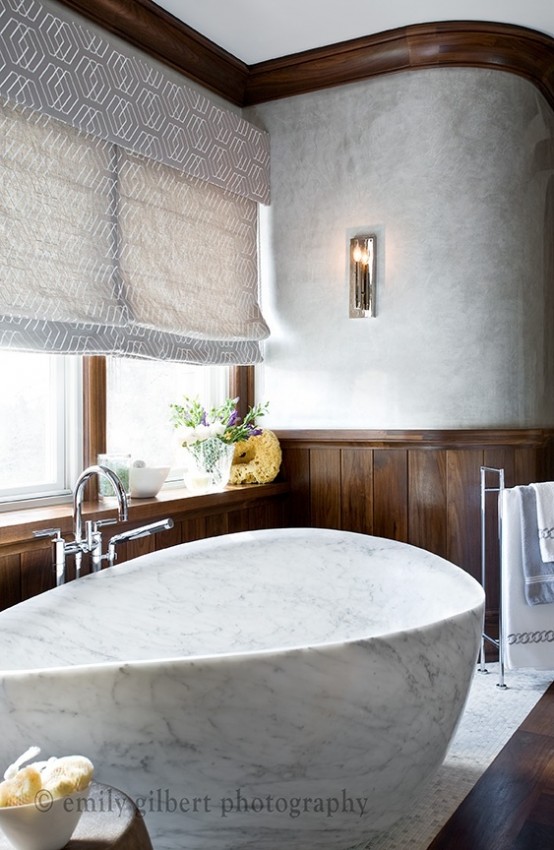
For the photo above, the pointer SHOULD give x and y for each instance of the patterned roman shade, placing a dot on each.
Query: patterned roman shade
(128, 202)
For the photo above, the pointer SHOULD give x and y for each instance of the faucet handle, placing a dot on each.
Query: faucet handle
(101, 522)
(60, 549)
(56, 533)
(92, 528)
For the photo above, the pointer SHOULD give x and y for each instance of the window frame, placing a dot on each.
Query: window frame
(87, 424)
(241, 385)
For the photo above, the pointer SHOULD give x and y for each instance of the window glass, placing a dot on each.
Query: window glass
(139, 395)
(39, 424)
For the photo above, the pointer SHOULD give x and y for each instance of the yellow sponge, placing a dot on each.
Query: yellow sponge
(22, 788)
(256, 460)
(60, 777)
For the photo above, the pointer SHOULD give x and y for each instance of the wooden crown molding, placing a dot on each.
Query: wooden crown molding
(451, 44)
(466, 44)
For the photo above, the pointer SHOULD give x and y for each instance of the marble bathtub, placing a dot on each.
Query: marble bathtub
(268, 690)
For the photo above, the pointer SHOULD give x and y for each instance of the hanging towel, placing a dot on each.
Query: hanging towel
(545, 518)
(538, 576)
(528, 630)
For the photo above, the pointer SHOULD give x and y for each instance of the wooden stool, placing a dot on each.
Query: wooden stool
(111, 821)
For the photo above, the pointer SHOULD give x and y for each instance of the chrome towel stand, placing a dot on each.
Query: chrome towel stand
(484, 636)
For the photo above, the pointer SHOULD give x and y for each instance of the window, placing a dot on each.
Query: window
(40, 426)
(41, 418)
(138, 397)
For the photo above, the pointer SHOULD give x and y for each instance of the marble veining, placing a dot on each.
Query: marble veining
(262, 689)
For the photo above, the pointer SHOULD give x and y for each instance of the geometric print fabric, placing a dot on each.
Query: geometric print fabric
(106, 251)
(102, 251)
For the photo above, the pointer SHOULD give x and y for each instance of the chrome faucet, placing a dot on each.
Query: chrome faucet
(134, 534)
(91, 542)
(120, 494)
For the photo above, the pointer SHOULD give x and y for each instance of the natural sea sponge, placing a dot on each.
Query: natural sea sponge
(256, 460)
(65, 775)
(22, 788)
(60, 777)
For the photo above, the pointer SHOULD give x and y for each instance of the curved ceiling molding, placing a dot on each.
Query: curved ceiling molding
(453, 44)
(462, 44)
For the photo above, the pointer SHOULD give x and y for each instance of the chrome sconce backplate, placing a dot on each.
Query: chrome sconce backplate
(362, 276)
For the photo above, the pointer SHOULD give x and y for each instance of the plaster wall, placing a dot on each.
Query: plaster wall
(453, 169)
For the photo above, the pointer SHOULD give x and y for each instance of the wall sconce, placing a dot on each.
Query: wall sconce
(362, 276)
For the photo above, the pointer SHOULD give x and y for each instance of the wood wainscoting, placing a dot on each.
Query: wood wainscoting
(419, 487)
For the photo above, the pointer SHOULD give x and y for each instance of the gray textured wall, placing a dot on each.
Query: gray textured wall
(453, 168)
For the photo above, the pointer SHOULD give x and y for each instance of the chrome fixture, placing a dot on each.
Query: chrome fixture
(91, 542)
(134, 534)
(362, 276)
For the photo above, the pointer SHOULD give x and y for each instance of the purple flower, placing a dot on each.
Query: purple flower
(233, 419)
(254, 432)
(204, 420)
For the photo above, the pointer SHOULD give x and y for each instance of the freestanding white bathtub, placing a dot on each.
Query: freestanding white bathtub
(268, 690)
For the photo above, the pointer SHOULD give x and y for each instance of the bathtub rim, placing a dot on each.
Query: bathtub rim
(239, 657)
(198, 546)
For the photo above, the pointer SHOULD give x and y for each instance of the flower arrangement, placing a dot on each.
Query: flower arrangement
(195, 424)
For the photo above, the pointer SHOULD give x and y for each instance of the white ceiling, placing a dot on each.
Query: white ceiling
(255, 30)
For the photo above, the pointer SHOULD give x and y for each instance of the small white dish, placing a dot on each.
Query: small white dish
(145, 481)
(46, 824)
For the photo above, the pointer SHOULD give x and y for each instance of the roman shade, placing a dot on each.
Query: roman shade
(128, 203)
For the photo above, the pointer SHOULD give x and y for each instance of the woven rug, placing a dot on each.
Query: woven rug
(490, 718)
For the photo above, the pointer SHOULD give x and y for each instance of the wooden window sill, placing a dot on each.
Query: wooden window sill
(17, 527)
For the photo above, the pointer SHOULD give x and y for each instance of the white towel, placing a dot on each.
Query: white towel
(528, 630)
(538, 575)
(545, 518)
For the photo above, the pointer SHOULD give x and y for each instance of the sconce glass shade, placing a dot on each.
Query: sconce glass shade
(362, 276)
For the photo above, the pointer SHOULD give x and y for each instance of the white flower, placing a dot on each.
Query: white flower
(217, 429)
(185, 435)
(201, 432)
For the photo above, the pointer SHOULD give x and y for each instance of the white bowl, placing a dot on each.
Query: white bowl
(46, 824)
(145, 481)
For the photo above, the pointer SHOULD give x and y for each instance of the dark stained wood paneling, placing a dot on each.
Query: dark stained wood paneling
(259, 516)
(528, 466)
(238, 521)
(295, 469)
(390, 494)
(37, 572)
(194, 529)
(464, 509)
(142, 546)
(10, 581)
(171, 537)
(427, 500)
(357, 490)
(325, 489)
(217, 524)
(503, 457)
(511, 807)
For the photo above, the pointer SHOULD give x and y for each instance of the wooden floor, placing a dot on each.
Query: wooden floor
(512, 805)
